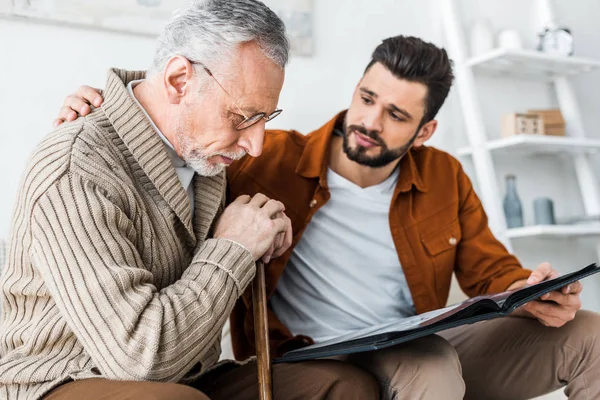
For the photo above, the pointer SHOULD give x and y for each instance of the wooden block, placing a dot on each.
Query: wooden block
(555, 131)
(551, 116)
(521, 124)
(554, 123)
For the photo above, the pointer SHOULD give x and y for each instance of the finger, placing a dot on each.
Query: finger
(545, 319)
(540, 274)
(287, 239)
(267, 256)
(551, 311)
(571, 301)
(57, 122)
(77, 104)
(572, 288)
(279, 240)
(259, 200)
(90, 95)
(243, 199)
(538, 308)
(273, 208)
(556, 296)
(289, 233)
(67, 114)
(279, 225)
(556, 320)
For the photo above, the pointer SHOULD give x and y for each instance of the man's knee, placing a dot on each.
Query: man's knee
(323, 379)
(584, 333)
(351, 382)
(431, 356)
(169, 391)
(427, 368)
(106, 388)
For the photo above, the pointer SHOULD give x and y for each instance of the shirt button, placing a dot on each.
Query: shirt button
(453, 241)
(313, 203)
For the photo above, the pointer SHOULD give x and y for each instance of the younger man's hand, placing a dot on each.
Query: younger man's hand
(556, 308)
(78, 104)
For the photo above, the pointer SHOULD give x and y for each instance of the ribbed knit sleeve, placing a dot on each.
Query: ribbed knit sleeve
(84, 246)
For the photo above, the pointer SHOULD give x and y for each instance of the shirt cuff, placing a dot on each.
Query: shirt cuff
(502, 283)
(230, 257)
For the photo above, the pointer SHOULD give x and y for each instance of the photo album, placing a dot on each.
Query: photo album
(402, 330)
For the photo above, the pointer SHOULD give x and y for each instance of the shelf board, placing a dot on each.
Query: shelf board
(554, 231)
(529, 64)
(538, 144)
(464, 152)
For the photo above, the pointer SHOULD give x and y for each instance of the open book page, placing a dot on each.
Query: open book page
(498, 298)
(399, 325)
(418, 321)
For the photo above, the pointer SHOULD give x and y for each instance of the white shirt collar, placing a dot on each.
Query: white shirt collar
(184, 172)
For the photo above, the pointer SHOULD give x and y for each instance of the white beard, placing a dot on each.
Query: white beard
(198, 161)
(203, 167)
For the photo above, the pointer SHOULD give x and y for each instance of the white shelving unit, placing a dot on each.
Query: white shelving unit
(555, 231)
(530, 65)
(519, 65)
(532, 145)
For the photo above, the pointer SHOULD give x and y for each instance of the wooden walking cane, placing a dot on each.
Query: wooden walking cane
(261, 333)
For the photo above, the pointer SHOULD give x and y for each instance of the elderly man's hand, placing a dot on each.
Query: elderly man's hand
(553, 309)
(257, 223)
(78, 104)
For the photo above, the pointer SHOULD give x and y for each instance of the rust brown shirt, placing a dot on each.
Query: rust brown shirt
(437, 222)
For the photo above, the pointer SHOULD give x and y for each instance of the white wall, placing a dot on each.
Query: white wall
(40, 64)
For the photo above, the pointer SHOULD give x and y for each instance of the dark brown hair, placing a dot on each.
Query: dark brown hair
(415, 60)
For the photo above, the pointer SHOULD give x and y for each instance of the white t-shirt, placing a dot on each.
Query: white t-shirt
(344, 274)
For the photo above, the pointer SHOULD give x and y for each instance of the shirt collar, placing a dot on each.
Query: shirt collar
(314, 160)
(184, 172)
(121, 113)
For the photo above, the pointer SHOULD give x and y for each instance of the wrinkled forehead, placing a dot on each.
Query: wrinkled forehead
(255, 80)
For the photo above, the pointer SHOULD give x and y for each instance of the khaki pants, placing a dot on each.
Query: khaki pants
(505, 359)
(323, 379)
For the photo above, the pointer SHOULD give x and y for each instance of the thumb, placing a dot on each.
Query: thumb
(541, 273)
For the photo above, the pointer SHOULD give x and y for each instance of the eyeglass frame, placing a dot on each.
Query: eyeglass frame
(255, 118)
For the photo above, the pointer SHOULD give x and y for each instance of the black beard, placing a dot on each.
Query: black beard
(386, 155)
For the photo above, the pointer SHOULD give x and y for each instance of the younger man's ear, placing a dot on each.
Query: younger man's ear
(425, 133)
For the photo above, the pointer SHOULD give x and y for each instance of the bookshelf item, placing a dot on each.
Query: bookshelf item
(522, 124)
(554, 123)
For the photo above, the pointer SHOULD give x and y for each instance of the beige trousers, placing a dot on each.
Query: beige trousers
(312, 380)
(506, 359)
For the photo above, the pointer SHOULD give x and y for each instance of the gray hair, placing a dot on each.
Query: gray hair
(209, 31)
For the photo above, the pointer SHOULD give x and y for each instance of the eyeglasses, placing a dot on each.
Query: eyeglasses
(248, 120)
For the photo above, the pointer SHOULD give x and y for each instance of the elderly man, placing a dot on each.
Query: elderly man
(123, 265)
(381, 222)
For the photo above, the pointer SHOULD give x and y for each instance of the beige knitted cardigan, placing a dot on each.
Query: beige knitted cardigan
(108, 273)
